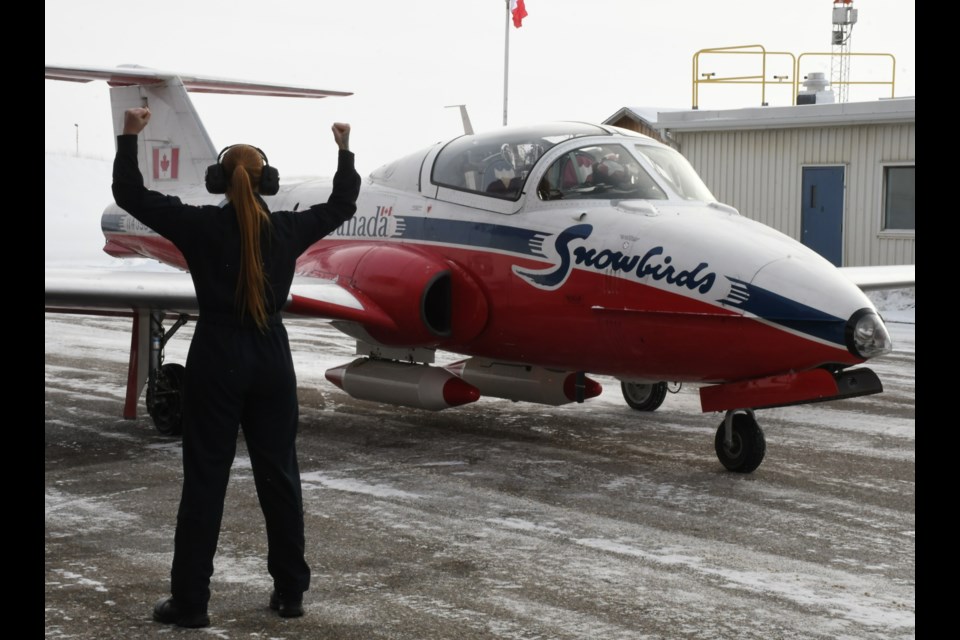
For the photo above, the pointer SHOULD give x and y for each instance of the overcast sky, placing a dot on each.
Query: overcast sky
(405, 61)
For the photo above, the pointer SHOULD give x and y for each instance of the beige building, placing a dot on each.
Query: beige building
(839, 177)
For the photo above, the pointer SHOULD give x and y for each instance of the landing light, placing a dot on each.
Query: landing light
(867, 337)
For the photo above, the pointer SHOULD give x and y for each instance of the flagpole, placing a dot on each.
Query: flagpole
(506, 56)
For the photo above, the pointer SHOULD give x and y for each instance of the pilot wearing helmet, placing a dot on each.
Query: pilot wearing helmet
(504, 174)
(506, 182)
(610, 171)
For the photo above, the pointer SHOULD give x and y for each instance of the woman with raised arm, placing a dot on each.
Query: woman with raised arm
(239, 371)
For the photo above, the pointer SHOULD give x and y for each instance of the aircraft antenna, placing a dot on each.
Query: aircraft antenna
(844, 17)
(464, 116)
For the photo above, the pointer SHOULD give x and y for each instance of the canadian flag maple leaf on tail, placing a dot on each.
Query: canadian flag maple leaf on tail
(518, 11)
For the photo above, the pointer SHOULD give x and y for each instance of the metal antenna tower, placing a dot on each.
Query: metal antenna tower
(844, 17)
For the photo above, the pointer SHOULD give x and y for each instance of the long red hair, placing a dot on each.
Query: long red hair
(243, 165)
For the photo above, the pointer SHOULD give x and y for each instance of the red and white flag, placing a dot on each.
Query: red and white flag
(518, 11)
(166, 163)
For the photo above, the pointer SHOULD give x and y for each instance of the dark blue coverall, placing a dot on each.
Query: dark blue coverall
(236, 374)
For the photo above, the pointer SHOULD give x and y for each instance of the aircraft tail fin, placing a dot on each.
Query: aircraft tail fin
(175, 148)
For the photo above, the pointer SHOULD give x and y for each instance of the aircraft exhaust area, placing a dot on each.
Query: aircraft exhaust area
(495, 519)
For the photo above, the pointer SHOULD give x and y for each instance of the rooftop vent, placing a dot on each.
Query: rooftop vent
(815, 90)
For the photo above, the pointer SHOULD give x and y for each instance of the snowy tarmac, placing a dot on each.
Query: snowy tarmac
(495, 520)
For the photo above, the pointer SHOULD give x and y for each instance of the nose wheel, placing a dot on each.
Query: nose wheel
(740, 443)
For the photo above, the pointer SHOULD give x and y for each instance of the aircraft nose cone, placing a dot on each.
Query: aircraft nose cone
(805, 293)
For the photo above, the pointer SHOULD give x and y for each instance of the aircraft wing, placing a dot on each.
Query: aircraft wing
(105, 290)
(882, 277)
(134, 75)
(109, 292)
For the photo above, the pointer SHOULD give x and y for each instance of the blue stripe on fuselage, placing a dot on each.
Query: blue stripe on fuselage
(789, 313)
(472, 234)
(750, 298)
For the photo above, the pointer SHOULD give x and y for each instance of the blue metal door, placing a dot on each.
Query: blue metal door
(821, 212)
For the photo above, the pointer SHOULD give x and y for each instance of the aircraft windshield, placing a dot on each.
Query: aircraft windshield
(677, 172)
(600, 171)
(498, 163)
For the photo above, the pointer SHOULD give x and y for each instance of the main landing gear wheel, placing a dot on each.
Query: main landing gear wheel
(745, 451)
(165, 404)
(644, 397)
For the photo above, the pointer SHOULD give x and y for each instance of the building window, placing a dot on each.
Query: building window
(899, 198)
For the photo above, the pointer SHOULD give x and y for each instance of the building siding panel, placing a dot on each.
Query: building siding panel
(759, 172)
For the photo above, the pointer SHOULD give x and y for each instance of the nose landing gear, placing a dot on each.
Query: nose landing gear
(740, 443)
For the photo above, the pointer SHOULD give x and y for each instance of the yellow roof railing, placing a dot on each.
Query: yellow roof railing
(760, 78)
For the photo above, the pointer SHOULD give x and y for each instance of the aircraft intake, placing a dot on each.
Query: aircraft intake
(525, 383)
(410, 385)
(429, 300)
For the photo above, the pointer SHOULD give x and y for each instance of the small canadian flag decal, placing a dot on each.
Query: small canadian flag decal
(166, 163)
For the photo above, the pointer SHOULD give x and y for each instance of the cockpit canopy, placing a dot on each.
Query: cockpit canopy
(498, 163)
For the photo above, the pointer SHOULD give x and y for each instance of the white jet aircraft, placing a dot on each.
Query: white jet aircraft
(540, 253)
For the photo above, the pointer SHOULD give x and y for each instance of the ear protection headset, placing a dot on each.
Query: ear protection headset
(216, 176)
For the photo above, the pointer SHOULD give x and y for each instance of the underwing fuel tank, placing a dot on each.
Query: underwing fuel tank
(410, 385)
(525, 383)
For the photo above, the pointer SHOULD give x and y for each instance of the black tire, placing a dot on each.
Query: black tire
(165, 406)
(644, 397)
(749, 445)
